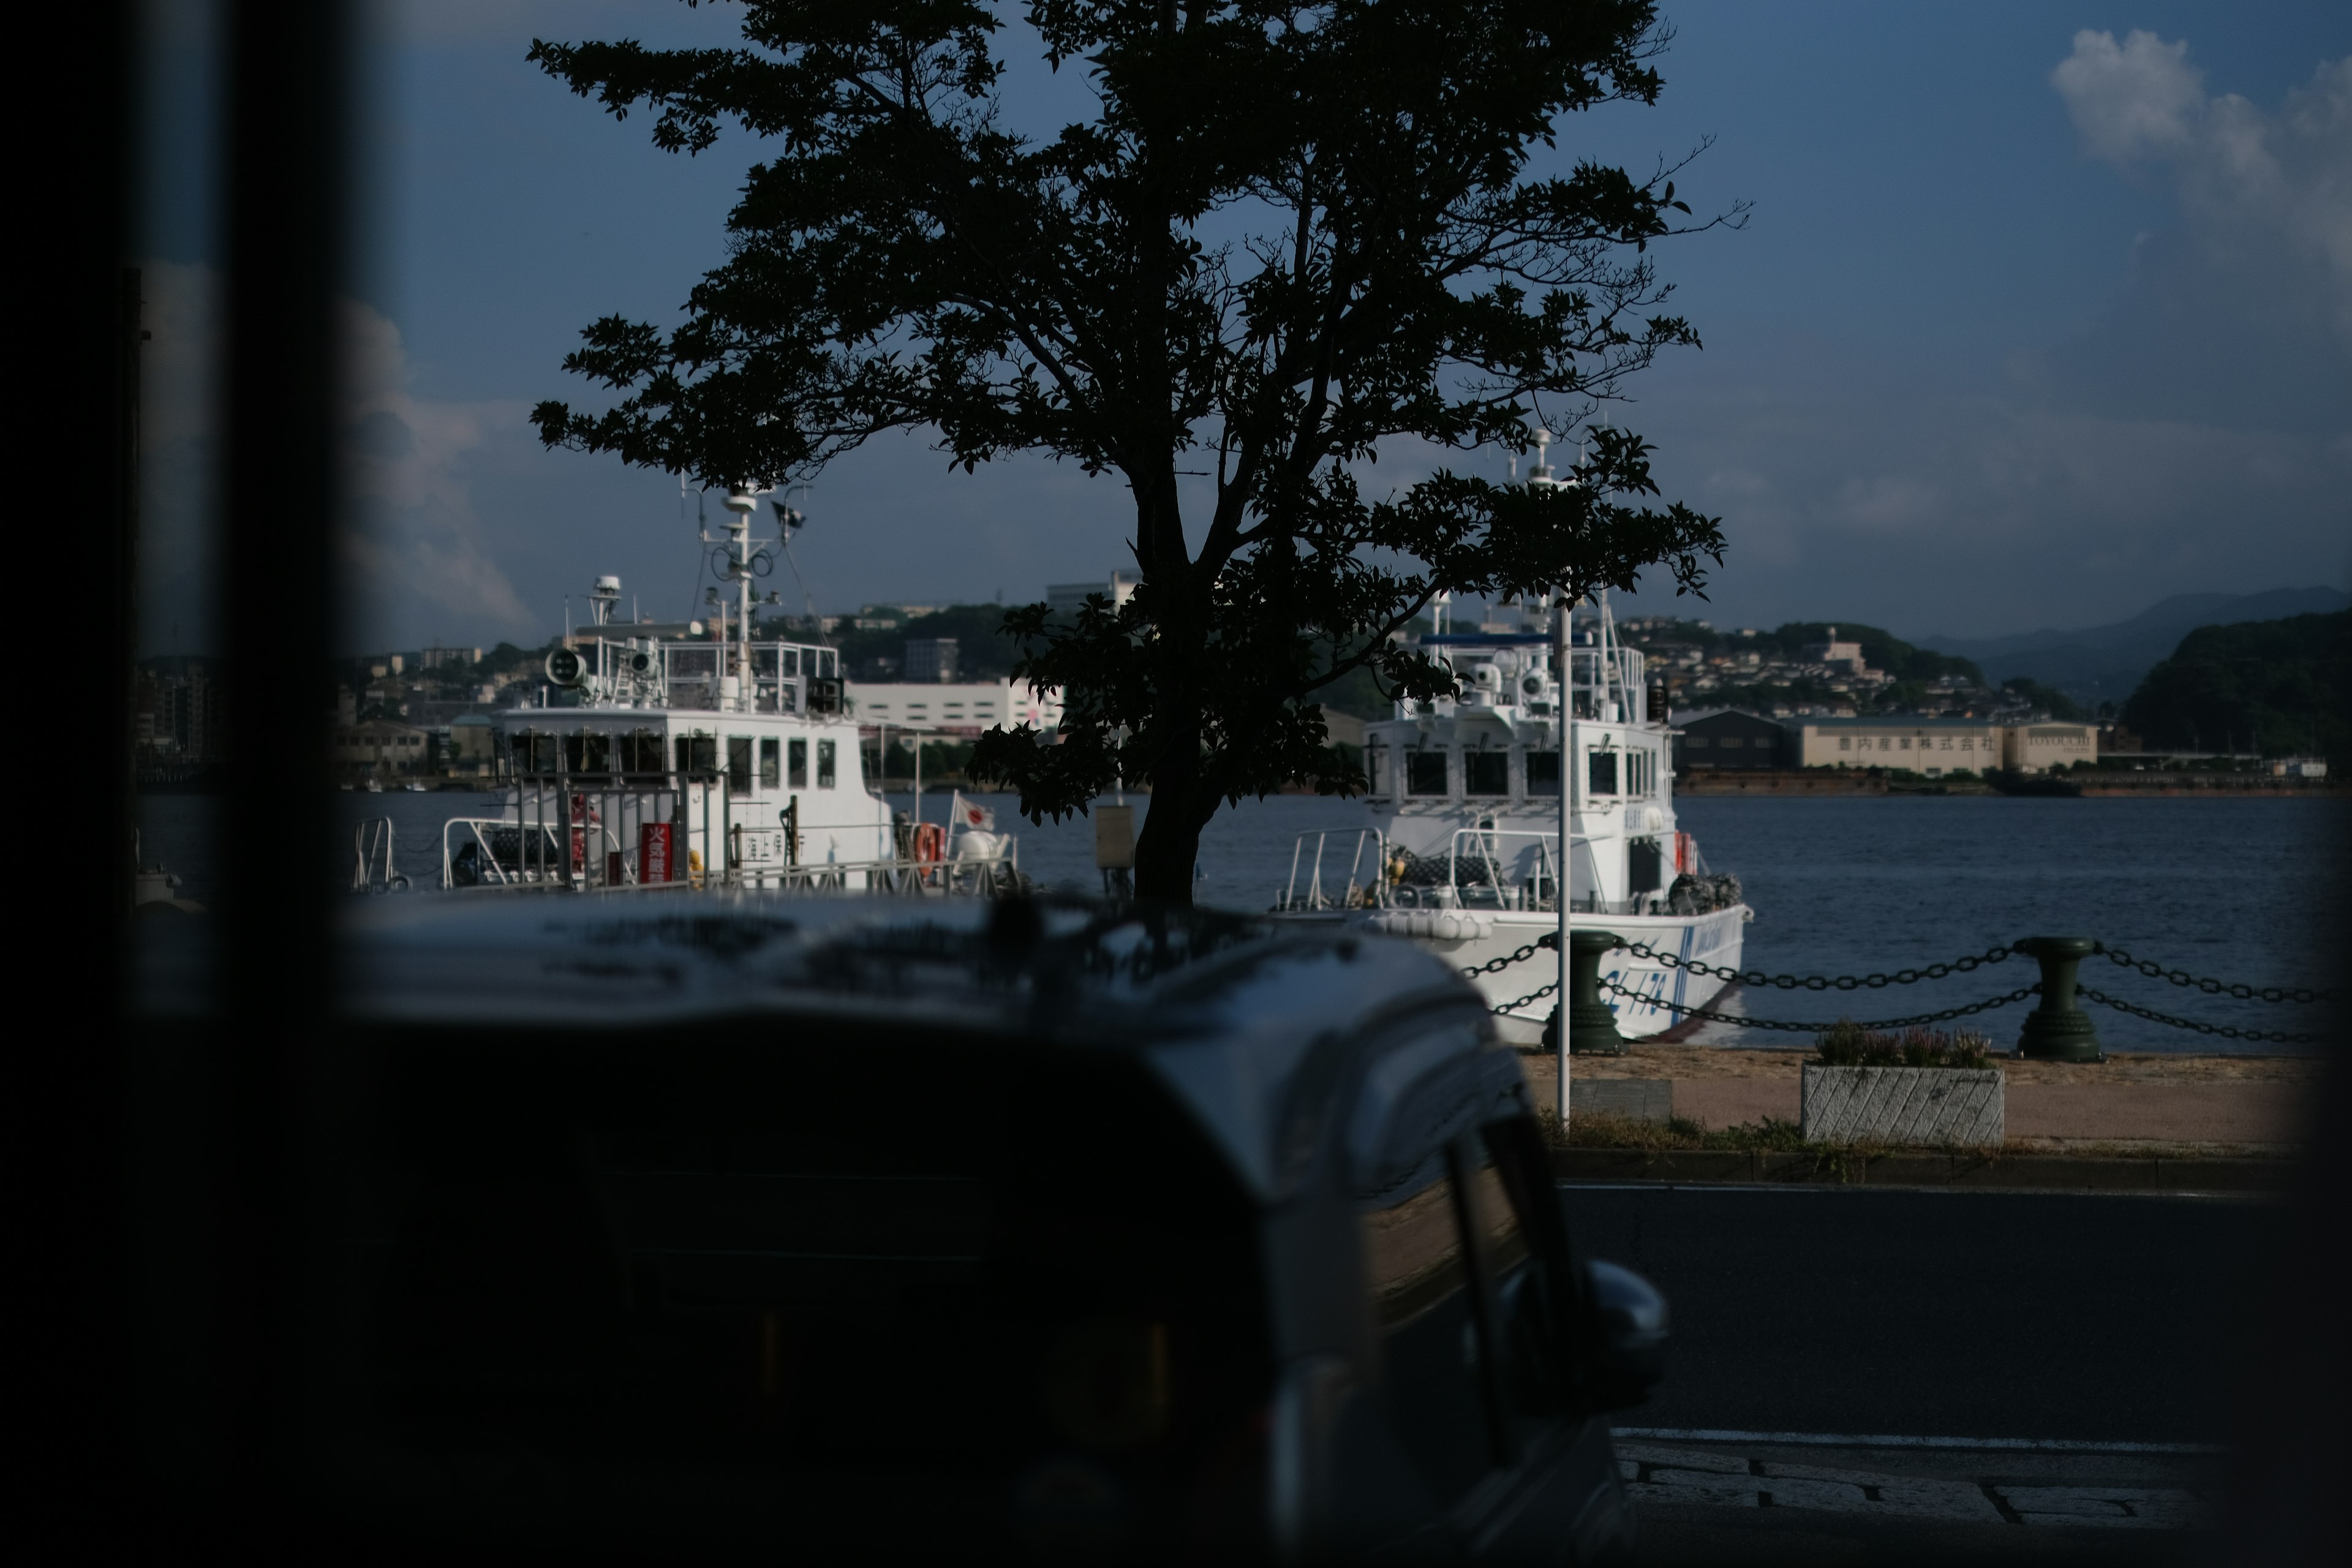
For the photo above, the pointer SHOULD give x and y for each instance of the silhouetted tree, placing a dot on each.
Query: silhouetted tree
(1293, 238)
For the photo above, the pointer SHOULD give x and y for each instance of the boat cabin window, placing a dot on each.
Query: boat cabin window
(641, 753)
(824, 764)
(1376, 758)
(1603, 777)
(770, 770)
(533, 751)
(697, 754)
(796, 751)
(738, 764)
(1486, 772)
(588, 753)
(1642, 773)
(1543, 771)
(1424, 772)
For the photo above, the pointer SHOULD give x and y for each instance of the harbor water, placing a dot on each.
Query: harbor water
(2235, 889)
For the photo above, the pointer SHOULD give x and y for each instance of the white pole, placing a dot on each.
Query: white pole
(1560, 707)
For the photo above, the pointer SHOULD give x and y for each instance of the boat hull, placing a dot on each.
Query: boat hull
(1470, 939)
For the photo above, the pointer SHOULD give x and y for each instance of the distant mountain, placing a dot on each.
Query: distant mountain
(2105, 664)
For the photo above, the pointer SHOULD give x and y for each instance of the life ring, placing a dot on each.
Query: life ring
(930, 841)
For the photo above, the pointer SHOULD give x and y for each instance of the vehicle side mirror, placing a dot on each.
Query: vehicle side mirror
(1628, 1357)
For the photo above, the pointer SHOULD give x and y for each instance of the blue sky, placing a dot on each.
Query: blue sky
(2043, 313)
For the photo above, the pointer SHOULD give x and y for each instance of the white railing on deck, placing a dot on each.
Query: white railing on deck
(1360, 890)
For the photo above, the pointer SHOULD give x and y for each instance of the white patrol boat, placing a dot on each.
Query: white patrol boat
(709, 761)
(1463, 853)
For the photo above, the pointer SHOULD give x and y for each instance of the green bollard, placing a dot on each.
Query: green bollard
(2057, 1030)
(1592, 1023)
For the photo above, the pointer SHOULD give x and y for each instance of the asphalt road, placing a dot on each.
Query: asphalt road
(2011, 1315)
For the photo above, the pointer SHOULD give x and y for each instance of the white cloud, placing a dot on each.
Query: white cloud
(2257, 187)
(411, 541)
(415, 545)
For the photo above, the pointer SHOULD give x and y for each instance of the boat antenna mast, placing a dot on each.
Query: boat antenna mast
(741, 558)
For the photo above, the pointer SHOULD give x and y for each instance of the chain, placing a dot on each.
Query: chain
(1822, 982)
(2217, 988)
(2272, 1037)
(1535, 995)
(1547, 943)
(1986, 1006)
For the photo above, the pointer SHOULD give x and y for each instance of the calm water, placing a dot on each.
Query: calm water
(2231, 889)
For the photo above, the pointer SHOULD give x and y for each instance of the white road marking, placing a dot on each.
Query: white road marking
(1850, 1440)
(1682, 1476)
(1655, 1474)
(2145, 1508)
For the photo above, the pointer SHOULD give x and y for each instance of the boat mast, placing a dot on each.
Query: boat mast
(740, 501)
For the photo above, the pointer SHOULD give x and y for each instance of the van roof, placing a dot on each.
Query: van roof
(1232, 1012)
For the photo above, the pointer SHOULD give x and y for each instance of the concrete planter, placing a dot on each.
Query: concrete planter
(1913, 1105)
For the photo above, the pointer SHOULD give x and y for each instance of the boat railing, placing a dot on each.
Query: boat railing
(691, 831)
(1365, 877)
(1511, 867)
(372, 867)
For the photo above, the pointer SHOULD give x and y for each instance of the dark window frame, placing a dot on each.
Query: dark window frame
(1416, 762)
(1474, 762)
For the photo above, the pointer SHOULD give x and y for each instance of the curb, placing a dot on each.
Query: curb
(1995, 1173)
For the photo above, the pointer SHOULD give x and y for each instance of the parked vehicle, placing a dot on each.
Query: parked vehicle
(1053, 1229)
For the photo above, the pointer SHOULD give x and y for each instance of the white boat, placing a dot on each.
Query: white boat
(1463, 851)
(705, 760)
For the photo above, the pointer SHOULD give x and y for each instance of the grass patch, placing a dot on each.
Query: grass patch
(1600, 1129)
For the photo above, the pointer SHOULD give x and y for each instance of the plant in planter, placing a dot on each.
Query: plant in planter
(1913, 1087)
(1849, 1044)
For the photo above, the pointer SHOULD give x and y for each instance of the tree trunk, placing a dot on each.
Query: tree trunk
(1167, 848)
(1171, 840)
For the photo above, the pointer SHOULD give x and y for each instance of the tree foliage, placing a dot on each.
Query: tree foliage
(1293, 240)
(2281, 686)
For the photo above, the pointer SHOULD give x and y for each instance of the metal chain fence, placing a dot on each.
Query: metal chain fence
(1548, 942)
(1535, 995)
(1944, 1015)
(2216, 988)
(1822, 982)
(2271, 1037)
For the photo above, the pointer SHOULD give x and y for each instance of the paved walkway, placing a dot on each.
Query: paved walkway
(2228, 1100)
(1745, 1498)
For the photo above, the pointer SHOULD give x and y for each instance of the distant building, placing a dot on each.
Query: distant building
(1068, 598)
(177, 711)
(380, 745)
(1719, 738)
(473, 742)
(437, 657)
(929, 659)
(2038, 748)
(966, 708)
(1930, 746)
(1833, 652)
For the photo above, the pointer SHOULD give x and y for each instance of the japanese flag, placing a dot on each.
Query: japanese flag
(982, 817)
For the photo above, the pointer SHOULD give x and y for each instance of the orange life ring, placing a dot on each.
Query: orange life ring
(930, 841)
